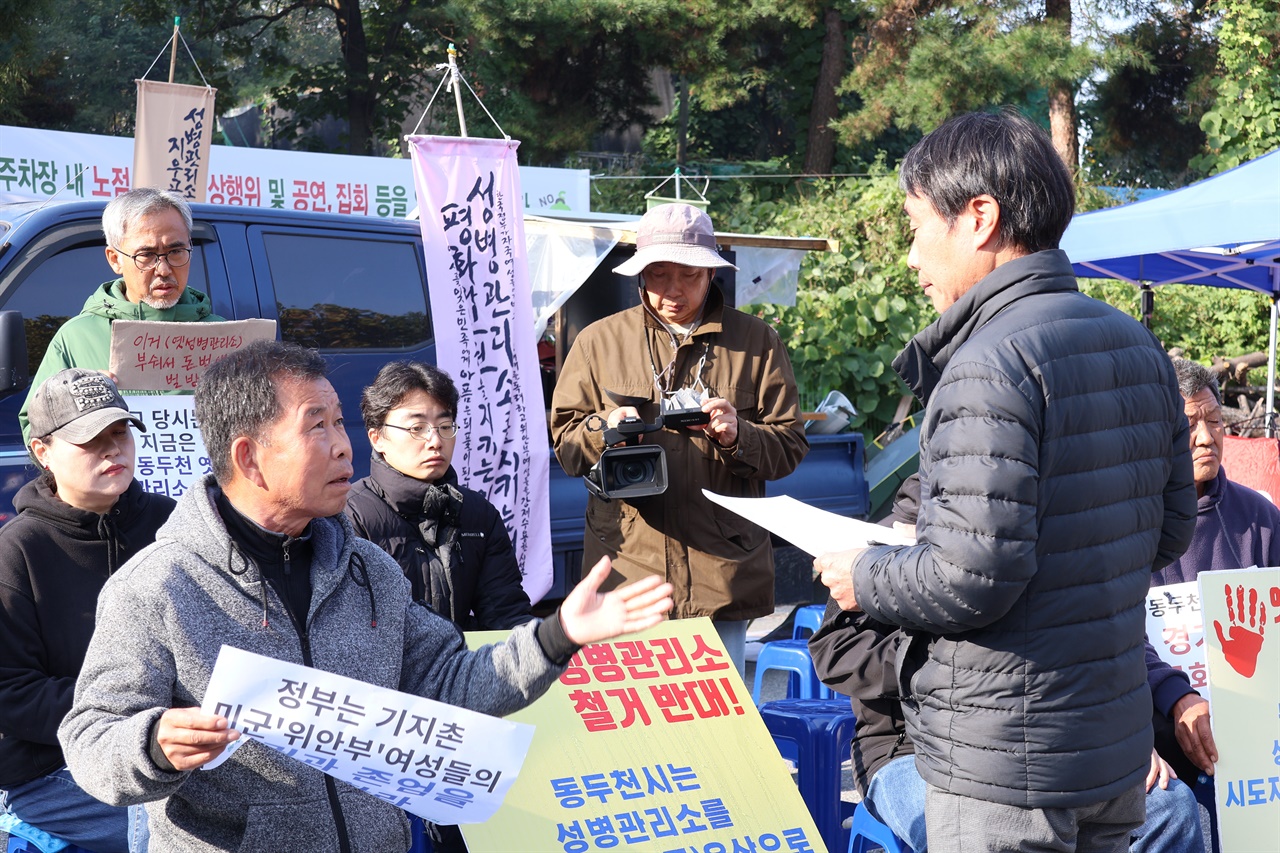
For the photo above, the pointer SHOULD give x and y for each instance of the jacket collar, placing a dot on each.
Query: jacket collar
(924, 359)
(403, 493)
(109, 301)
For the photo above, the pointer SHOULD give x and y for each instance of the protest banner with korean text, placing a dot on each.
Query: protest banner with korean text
(649, 743)
(1242, 619)
(150, 355)
(35, 164)
(170, 455)
(482, 312)
(173, 135)
(1175, 628)
(440, 762)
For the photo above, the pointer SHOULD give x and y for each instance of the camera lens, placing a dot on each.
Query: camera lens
(635, 472)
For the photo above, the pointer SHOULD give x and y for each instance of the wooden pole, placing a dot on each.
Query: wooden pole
(456, 83)
(173, 54)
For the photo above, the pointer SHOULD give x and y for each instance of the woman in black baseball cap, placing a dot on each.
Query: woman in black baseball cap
(76, 525)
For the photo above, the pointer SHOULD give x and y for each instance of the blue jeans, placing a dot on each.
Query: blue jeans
(1172, 824)
(57, 805)
(896, 799)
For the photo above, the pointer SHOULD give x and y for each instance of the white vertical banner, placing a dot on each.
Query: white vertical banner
(172, 137)
(470, 205)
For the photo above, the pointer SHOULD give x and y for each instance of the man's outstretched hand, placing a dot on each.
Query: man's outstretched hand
(589, 615)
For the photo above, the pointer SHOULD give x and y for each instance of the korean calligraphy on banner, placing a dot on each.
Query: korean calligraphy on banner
(1242, 606)
(482, 309)
(150, 355)
(170, 455)
(1175, 628)
(440, 762)
(630, 752)
(172, 138)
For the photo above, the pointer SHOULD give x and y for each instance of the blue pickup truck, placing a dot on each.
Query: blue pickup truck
(352, 287)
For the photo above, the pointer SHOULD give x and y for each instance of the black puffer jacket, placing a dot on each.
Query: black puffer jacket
(481, 590)
(54, 559)
(1055, 472)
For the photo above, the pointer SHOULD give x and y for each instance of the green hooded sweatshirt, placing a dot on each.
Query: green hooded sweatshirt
(85, 340)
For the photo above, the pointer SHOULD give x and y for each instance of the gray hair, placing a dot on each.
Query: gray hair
(1194, 378)
(124, 210)
(239, 396)
(1004, 155)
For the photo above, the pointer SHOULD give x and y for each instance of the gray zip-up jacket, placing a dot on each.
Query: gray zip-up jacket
(161, 621)
(1055, 472)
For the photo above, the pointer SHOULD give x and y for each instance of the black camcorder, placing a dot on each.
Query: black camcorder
(628, 469)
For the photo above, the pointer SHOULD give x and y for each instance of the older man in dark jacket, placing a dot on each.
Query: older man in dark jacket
(1055, 474)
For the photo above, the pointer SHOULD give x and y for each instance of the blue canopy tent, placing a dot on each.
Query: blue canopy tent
(1223, 231)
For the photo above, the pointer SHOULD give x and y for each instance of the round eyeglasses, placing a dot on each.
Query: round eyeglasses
(423, 432)
(147, 261)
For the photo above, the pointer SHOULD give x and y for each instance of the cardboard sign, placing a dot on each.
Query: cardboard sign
(148, 355)
(649, 742)
(440, 762)
(1242, 618)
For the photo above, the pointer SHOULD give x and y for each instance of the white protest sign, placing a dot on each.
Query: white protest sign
(170, 454)
(1175, 628)
(812, 530)
(149, 355)
(446, 764)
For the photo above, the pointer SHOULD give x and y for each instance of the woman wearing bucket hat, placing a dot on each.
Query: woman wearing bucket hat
(76, 525)
(683, 347)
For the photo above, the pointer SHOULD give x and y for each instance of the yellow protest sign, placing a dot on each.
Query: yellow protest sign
(1242, 629)
(648, 743)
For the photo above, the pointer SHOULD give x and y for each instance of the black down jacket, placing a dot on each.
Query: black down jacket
(1055, 473)
(482, 591)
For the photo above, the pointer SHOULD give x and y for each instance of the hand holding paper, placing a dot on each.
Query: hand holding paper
(190, 738)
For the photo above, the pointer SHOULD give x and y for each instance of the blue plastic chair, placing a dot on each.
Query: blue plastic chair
(867, 834)
(25, 838)
(418, 829)
(816, 735)
(808, 620)
(793, 657)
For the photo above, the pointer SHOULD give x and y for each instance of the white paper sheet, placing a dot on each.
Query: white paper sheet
(446, 764)
(812, 530)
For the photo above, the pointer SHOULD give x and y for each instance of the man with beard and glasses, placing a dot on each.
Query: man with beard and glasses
(149, 246)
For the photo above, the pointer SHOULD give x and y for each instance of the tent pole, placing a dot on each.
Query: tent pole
(1271, 368)
(1147, 304)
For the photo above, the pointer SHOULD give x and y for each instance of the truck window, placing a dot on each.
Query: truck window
(341, 293)
(53, 290)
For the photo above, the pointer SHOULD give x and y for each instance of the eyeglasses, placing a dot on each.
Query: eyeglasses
(147, 261)
(423, 432)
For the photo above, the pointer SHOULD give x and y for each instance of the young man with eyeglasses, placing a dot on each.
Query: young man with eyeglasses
(450, 540)
(149, 246)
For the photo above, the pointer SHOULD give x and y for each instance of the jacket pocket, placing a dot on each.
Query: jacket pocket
(289, 826)
(736, 530)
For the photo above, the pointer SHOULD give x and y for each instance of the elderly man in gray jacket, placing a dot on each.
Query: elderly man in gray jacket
(260, 556)
(1055, 474)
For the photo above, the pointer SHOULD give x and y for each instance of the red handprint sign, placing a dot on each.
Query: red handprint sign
(1242, 644)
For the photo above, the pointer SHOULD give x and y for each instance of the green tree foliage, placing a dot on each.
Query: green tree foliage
(377, 67)
(1144, 119)
(857, 306)
(1245, 120)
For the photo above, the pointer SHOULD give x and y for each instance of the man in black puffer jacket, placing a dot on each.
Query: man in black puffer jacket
(1055, 474)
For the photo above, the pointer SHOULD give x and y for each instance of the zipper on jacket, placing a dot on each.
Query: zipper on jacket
(335, 807)
(288, 566)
